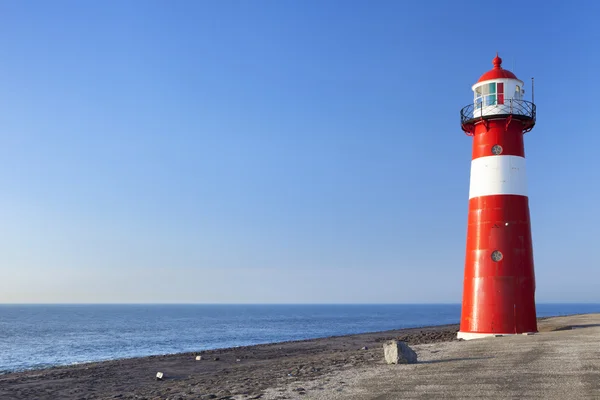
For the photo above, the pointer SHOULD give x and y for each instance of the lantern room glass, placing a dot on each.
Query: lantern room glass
(489, 94)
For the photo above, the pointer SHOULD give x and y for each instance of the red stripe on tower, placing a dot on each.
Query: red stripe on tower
(499, 280)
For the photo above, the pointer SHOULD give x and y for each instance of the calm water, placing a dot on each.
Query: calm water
(37, 336)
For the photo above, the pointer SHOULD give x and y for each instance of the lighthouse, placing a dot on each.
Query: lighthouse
(499, 280)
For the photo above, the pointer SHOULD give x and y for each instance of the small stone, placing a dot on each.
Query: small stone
(198, 358)
(159, 376)
(397, 352)
(364, 348)
(216, 358)
(238, 360)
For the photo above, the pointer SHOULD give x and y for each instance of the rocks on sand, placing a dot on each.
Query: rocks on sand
(198, 358)
(397, 352)
(159, 376)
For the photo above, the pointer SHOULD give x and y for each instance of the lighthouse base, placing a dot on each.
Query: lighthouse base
(476, 335)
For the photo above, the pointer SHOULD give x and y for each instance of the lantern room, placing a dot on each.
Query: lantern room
(496, 89)
(497, 94)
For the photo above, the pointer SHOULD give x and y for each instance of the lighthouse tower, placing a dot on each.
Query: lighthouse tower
(499, 281)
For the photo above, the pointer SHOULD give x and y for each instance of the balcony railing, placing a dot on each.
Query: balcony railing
(519, 109)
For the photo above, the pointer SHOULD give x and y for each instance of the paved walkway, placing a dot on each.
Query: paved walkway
(557, 363)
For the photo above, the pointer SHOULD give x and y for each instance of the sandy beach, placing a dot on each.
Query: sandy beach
(235, 373)
(320, 368)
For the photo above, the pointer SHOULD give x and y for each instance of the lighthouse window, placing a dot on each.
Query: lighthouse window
(500, 93)
(490, 94)
(490, 90)
(497, 256)
(478, 98)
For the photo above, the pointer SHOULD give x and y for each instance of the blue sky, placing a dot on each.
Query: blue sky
(280, 151)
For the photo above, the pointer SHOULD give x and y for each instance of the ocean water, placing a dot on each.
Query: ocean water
(38, 336)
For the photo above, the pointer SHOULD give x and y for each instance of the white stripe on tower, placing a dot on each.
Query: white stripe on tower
(493, 175)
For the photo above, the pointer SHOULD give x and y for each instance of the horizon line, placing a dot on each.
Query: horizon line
(264, 304)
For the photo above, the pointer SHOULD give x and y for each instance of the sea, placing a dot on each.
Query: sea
(41, 336)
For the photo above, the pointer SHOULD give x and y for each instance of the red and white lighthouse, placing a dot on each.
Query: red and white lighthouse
(499, 281)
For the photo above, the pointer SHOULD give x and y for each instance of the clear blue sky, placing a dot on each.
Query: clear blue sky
(281, 151)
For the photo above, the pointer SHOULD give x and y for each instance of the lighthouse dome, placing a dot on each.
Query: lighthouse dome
(497, 94)
(497, 72)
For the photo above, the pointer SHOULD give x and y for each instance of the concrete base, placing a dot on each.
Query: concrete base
(556, 363)
(475, 335)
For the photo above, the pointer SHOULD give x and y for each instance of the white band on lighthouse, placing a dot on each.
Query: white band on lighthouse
(495, 175)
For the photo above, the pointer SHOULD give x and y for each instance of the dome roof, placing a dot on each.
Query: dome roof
(497, 72)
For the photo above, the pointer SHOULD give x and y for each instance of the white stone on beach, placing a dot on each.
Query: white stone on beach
(159, 376)
(396, 352)
(198, 358)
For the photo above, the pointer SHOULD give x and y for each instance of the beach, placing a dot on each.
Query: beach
(218, 375)
(334, 367)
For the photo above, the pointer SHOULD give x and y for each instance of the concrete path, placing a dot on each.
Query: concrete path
(557, 363)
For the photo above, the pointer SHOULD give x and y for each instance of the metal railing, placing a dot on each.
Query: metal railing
(517, 108)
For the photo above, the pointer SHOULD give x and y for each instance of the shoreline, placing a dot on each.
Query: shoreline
(230, 373)
(232, 348)
(241, 372)
(199, 352)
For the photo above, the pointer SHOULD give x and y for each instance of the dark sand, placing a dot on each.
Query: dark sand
(234, 373)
